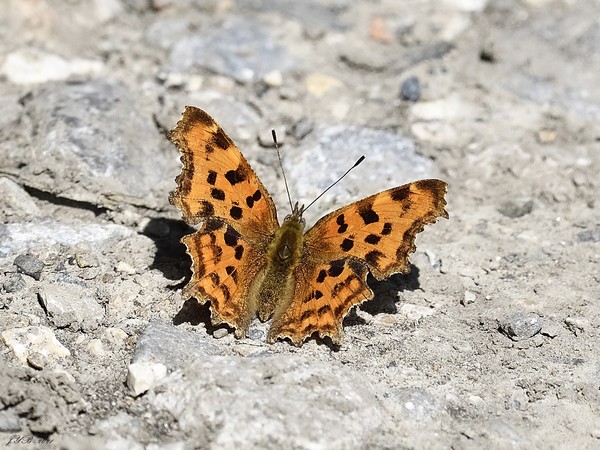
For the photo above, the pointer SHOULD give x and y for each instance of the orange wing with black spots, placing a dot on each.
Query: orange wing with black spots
(217, 181)
(379, 230)
(323, 295)
(224, 266)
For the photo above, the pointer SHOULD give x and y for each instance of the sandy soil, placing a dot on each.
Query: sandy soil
(490, 342)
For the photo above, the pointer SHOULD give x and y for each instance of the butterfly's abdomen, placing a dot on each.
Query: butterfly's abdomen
(274, 288)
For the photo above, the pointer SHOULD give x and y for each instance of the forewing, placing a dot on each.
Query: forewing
(380, 229)
(224, 266)
(323, 295)
(217, 181)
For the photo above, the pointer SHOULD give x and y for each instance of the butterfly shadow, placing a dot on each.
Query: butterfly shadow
(385, 295)
(170, 258)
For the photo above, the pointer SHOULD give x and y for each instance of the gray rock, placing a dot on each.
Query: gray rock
(294, 402)
(90, 144)
(411, 90)
(171, 346)
(71, 305)
(17, 203)
(589, 235)
(237, 48)
(413, 404)
(9, 421)
(329, 151)
(13, 282)
(516, 208)
(21, 237)
(521, 325)
(29, 265)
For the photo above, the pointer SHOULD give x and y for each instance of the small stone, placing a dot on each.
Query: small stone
(469, 298)
(589, 235)
(124, 267)
(220, 333)
(577, 325)
(13, 282)
(29, 265)
(32, 66)
(85, 259)
(319, 84)
(16, 201)
(143, 376)
(273, 78)
(521, 325)
(25, 341)
(546, 136)
(516, 208)
(9, 421)
(115, 336)
(302, 128)
(411, 90)
(95, 347)
(37, 360)
(71, 305)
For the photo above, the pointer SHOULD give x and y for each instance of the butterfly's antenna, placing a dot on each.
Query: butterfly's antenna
(361, 159)
(287, 189)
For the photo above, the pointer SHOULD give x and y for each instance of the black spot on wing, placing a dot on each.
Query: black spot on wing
(239, 252)
(400, 194)
(343, 226)
(236, 176)
(321, 276)
(212, 177)
(231, 239)
(372, 239)
(220, 139)
(217, 194)
(387, 229)
(347, 245)
(368, 215)
(336, 268)
(235, 212)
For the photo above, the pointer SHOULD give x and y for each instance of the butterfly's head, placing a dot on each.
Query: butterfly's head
(296, 216)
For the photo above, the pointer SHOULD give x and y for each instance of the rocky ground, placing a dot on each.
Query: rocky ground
(492, 341)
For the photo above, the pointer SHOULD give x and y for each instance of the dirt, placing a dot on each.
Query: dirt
(491, 341)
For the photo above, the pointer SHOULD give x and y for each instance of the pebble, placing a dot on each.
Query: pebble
(9, 421)
(16, 201)
(143, 376)
(237, 48)
(37, 360)
(124, 267)
(468, 298)
(516, 208)
(319, 84)
(29, 265)
(220, 333)
(273, 78)
(71, 305)
(577, 325)
(38, 339)
(589, 235)
(33, 66)
(521, 325)
(411, 90)
(13, 282)
(95, 347)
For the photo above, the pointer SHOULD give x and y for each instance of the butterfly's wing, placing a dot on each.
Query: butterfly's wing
(217, 181)
(224, 266)
(381, 229)
(218, 186)
(375, 234)
(323, 295)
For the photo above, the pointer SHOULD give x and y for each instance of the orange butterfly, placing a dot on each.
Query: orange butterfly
(246, 264)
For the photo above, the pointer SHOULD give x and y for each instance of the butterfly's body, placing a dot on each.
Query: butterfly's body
(274, 288)
(245, 264)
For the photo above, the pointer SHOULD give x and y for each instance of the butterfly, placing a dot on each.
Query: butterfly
(246, 264)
